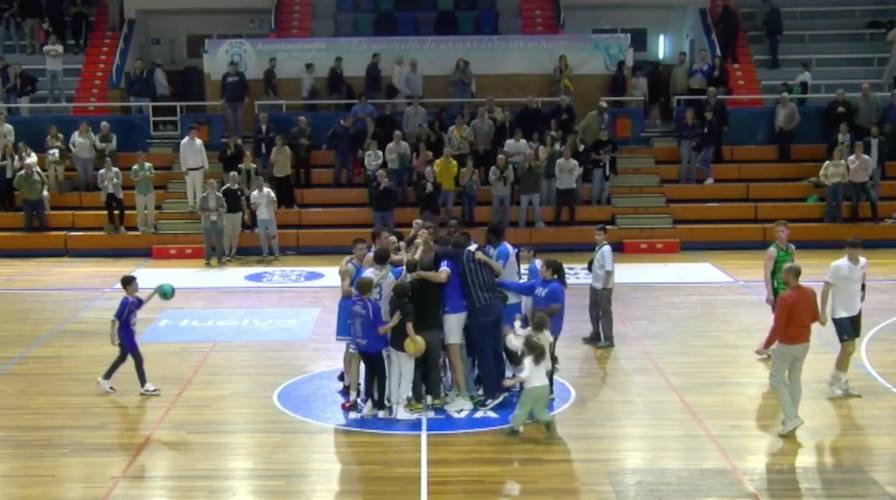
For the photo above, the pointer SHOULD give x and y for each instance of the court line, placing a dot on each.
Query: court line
(424, 460)
(701, 424)
(158, 423)
(55, 330)
(867, 362)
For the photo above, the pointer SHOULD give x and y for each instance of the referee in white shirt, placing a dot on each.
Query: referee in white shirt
(845, 283)
(600, 299)
(194, 163)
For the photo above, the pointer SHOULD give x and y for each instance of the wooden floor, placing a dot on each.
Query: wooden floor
(681, 409)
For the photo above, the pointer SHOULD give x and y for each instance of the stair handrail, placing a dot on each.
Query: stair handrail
(274, 16)
(680, 98)
(116, 77)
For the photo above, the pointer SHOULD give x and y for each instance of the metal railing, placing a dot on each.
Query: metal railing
(283, 105)
(769, 97)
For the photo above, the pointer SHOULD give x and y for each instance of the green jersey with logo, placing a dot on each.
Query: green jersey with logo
(783, 256)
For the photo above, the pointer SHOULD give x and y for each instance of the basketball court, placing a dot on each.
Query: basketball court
(247, 364)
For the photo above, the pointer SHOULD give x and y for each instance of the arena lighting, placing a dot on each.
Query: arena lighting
(662, 46)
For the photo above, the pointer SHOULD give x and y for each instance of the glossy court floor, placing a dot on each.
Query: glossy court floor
(681, 409)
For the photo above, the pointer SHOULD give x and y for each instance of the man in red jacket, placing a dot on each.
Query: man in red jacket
(795, 312)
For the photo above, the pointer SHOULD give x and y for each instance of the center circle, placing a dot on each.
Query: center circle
(284, 276)
(314, 398)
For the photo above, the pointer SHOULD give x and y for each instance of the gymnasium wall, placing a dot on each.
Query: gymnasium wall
(131, 130)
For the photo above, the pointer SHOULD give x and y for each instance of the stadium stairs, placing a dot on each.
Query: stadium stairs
(99, 60)
(293, 18)
(538, 17)
(751, 192)
(742, 77)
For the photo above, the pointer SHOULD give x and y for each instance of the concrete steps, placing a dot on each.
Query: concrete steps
(652, 221)
(639, 201)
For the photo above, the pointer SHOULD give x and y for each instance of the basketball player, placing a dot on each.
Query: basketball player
(349, 272)
(779, 254)
(527, 257)
(845, 282)
(383, 281)
(506, 264)
(123, 334)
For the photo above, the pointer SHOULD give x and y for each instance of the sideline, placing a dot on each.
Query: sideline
(867, 362)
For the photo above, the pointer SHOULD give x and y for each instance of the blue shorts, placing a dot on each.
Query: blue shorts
(128, 342)
(343, 334)
(849, 328)
(511, 311)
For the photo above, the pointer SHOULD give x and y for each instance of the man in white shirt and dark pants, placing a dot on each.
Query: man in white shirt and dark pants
(264, 202)
(54, 52)
(600, 300)
(194, 163)
(845, 283)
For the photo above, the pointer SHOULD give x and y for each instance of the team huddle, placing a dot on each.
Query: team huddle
(467, 304)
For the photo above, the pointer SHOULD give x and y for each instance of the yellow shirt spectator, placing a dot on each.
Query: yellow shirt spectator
(446, 171)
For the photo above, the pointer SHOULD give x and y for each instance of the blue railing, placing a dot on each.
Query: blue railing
(116, 78)
(709, 34)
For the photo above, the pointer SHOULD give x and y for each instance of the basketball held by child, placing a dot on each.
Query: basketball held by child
(165, 291)
(415, 346)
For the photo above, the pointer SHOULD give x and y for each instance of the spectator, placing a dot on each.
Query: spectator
(728, 28)
(565, 115)
(235, 93)
(435, 137)
(264, 202)
(8, 167)
(530, 119)
(877, 149)
(54, 50)
(640, 89)
(248, 172)
(619, 84)
(483, 135)
(22, 87)
(414, 120)
(500, 178)
(719, 77)
(689, 132)
(838, 111)
(383, 200)
(413, 80)
(787, 118)
(31, 183)
(446, 172)
(140, 87)
(461, 81)
(230, 156)
(270, 79)
(142, 173)
(7, 132)
(398, 162)
(530, 173)
(80, 25)
(590, 126)
(867, 112)
(340, 141)
(212, 208)
(106, 144)
(429, 191)
(109, 180)
(9, 12)
(160, 82)
(774, 28)
(515, 148)
(373, 77)
(32, 15)
(309, 90)
(861, 170)
(55, 161)
(888, 121)
(803, 81)
(397, 88)
(708, 140)
(890, 71)
(300, 144)
(568, 172)
(235, 202)
(699, 74)
(423, 158)
(459, 140)
(834, 175)
(113, 8)
(603, 158)
(373, 162)
(678, 80)
(263, 143)
(363, 109)
(548, 153)
(281, 171)
(562, 85)
(385, 125)
(194, 164)
(494, 112)
(54, 18)
(83, 147)
(6, 84)
(842, 141)
(336, 86)
(470, 184)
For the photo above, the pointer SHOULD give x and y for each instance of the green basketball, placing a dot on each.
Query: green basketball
(166, 291)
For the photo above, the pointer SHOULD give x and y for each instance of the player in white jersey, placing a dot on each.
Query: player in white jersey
(507, 266)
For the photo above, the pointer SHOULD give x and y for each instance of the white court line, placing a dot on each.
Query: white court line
(865, 359)
(424, 462)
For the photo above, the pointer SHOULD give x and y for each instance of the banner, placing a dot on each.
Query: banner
(488, 55)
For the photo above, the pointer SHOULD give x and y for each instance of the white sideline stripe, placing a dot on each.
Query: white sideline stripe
(865, 359)
(424, 460)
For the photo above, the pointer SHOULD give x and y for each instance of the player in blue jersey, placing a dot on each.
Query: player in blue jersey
(369, 338)
(123, 334)
(548, 297)
(533, 263)
(349, 272)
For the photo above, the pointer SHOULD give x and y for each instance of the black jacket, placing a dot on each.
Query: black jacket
(231, 159)
(384, 198)
(267, 138)
(27, 84)
(429, 202)
(833, 118)
(234, 88)
(373, 82)
(772, 22)
(710, 135)
(298, 149)
(566, 118)
(600, 147)
(727, 23)
(335, 81)
(719, 112)
(530, 120)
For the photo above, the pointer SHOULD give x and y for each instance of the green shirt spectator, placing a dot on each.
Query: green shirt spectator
(31, 184)
(142, 174)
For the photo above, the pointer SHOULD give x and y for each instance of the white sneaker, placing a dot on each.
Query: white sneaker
(835, 388)
(848, 391)
(369, 409)
(709, 181)
(459, 404)
(791, 426)
(450, 396)
(402, 414)
(381, 414)
(105, 385)
(150, 390)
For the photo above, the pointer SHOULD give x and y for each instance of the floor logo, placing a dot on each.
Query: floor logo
(231, 325)
(284, 276)
(313, 398)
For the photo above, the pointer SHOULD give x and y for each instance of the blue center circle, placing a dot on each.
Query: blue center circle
(314, 398)
(284, 276)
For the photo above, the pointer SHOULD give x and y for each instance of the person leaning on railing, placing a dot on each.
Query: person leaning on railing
(834, 175)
